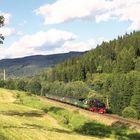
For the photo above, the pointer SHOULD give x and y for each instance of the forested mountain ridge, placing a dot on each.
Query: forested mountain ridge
(31, 65)
(119, 55)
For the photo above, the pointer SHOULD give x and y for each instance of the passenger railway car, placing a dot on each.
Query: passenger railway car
(93, 105)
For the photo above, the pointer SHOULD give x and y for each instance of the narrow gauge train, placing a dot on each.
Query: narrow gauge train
(93, 105)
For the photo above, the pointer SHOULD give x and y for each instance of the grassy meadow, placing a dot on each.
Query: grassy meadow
(20, 122)
(26, 117)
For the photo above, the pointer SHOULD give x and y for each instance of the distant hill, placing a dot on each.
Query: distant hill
(32, 65)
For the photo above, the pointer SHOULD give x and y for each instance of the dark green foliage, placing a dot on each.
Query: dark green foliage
(1, 39)
(129, 112)
(1, 20)
(77, 89)
(1, 24)
(137, 64)
(134, 136)
(2, 83)
(119, 88)
(21, 85)
(116, 95)
(45, 89)
(125, 61)
(135, 101)
(10, 84)
(34, 87)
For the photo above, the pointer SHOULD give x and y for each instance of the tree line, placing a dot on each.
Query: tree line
(122, 91)
(120, 55)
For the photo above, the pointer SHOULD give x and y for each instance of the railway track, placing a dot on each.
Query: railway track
(128, 122)
(110, 117)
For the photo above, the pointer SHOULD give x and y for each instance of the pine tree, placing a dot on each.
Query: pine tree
(125, 61)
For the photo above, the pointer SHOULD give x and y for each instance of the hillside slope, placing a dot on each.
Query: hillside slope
(23, 116)
(32, 65)
(19, 122)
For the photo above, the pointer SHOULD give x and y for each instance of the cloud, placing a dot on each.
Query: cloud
(2, 52)
(50, 42)
(5, 31)
(64, 10)
(38, 43)
(98, 10)
(76, 46)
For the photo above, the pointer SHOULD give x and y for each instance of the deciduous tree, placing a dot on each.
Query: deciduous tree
(1, 24)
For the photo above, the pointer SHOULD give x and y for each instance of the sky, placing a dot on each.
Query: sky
(34, 27)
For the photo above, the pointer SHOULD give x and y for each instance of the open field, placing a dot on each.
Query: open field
(19, 122)
(28, 118)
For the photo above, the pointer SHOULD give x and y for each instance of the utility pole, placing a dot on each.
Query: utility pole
(4, 74)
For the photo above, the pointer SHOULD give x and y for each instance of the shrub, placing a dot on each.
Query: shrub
(129, 112)
(34, 87)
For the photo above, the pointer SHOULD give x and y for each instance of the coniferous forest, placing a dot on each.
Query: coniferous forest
(110, 73)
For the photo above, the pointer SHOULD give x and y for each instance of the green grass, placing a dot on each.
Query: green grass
(28, 100)
(24, 122)
(25, 116)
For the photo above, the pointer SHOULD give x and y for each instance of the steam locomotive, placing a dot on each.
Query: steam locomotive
(93, 105)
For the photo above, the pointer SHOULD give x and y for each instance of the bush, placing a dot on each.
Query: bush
(21, 85)
(129, 112)
(34, 87)
(2, 83)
